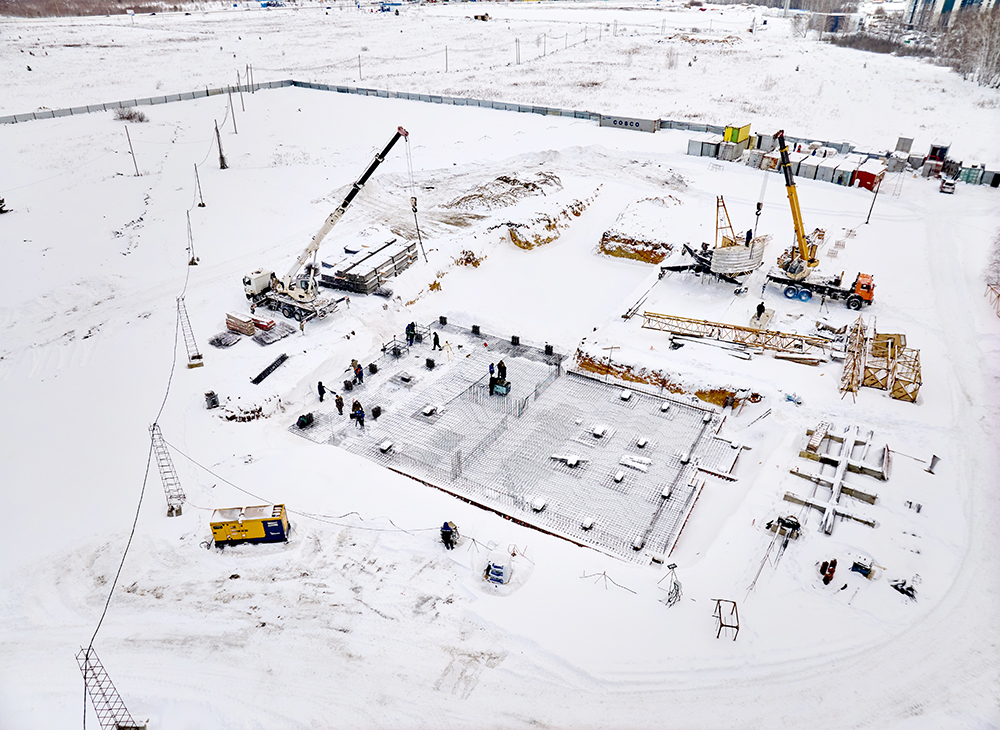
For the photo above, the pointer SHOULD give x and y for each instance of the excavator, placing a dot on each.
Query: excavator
(295, 294)
(796, 266)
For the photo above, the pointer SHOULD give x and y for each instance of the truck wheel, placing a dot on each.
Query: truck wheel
(286, 311)
(854, 302)
(299, 315)
(791, 292)
(805, 295)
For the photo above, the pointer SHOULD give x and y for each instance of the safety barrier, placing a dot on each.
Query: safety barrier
(362, 91)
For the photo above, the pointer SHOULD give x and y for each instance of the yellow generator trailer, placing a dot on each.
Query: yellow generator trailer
(263, 523)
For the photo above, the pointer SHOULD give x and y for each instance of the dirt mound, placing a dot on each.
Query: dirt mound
(506, 190)
(545, 228)
(615, 243)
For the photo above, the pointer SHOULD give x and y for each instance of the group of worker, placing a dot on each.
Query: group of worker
(498, 375)
(357, 412)
(411, 335)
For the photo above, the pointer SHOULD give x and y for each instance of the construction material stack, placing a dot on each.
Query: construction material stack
(368, 273)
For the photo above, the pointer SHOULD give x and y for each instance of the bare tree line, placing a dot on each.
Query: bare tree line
(971, 45)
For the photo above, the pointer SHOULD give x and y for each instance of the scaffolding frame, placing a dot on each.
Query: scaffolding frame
(850, 379)
(906, 379)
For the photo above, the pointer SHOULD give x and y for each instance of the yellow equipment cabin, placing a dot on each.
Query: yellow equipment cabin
(262, 523)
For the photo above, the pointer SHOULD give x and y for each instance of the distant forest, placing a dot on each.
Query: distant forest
(60, 8)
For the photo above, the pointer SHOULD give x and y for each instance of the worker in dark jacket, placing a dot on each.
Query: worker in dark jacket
(321, 389)
(449, 535)
(502, 371)
(340, 404)
(359, 417)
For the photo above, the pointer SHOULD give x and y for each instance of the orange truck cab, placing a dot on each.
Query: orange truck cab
(864, 287)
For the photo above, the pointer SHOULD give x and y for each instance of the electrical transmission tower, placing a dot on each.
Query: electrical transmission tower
(171, 484)
(111, 711)
(194, 357)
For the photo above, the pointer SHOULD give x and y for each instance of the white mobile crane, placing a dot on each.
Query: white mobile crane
(295, 294)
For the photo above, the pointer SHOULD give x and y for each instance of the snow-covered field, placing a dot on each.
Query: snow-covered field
(363, 619)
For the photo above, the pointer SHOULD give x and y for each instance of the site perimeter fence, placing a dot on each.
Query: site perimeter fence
(604, 119)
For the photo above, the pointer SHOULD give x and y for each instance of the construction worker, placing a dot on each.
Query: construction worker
(340, 404)
(502, 371)
(359, 374)
(411, 332)
(437, 343)
(359, 417)
(321, 389)
(760, 310)
(449, 535)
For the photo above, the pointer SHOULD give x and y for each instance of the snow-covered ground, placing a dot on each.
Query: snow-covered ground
(651, 60)
(363, 619)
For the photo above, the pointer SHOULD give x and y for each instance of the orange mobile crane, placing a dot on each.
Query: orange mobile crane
(796, 264)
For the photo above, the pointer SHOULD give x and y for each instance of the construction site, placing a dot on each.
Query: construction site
(481, 409)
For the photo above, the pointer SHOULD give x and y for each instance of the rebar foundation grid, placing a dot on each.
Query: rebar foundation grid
(594, 462)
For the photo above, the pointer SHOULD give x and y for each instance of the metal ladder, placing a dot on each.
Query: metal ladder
(111, 711)
(194, 357)
(171, 484)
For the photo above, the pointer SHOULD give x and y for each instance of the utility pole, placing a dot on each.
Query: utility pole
(240, 87)
(194, 259)
(446, 59)
(132, 151)
(222, 157)
(877, 188)
(233, 112)
(197, 180)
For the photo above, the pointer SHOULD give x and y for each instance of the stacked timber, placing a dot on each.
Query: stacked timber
(263, 324)
(240, 323)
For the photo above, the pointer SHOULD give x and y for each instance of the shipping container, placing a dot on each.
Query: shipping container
(897, 162)
(737, 134)
(795, 159)
(262, 523)
(755, 158)
(809, 166)
(827, 168)
(844, 174)
(870, 174)
(771, 161)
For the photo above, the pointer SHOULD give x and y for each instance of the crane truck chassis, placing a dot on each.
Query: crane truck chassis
(861, 292)
(262, 291)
